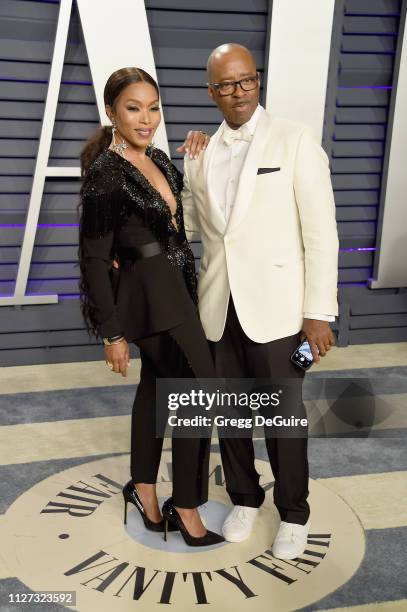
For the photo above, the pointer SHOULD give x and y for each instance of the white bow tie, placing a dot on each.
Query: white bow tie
(229, 135)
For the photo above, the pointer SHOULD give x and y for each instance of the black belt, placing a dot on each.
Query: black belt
(140, 251)
(132, 254)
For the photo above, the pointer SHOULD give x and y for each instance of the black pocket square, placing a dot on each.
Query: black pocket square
(267, 170)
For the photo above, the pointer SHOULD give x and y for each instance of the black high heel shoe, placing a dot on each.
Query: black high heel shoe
(172, 518)
(130, 495)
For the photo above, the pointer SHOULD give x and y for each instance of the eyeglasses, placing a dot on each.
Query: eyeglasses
(227, 88)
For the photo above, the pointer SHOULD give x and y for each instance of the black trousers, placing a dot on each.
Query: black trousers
(236, 356)
(181, 352)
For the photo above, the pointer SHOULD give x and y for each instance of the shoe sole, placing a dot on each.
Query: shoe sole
(241, 539)
(288, 557)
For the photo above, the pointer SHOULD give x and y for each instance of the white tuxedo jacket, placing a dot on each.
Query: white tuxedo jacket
(278, 254)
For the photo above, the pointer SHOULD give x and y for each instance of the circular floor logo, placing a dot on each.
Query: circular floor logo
(67, 534)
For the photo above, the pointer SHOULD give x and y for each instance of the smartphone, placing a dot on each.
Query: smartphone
(302, 356)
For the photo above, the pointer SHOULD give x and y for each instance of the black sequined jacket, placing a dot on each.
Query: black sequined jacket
(121, 210)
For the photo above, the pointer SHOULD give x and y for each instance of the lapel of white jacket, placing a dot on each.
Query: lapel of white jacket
(248, 176)
(215, 212)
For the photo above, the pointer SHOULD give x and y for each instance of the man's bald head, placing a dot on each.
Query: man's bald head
(225, 53)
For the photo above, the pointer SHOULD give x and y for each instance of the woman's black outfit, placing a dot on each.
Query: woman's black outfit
(153, 303)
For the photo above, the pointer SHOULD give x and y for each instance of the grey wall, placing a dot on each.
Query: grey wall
(183, 33)
(359, 90)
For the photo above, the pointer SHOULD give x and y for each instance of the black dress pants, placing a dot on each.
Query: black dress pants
(236, 356)
(181, 352)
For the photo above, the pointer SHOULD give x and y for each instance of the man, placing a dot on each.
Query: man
(261, 200)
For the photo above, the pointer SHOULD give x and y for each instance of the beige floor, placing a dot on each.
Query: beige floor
(22, 379)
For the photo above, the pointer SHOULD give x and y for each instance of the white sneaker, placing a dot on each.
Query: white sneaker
(291, 540)
(239, 523)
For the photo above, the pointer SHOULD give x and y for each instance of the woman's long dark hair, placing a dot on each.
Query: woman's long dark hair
(100, 140)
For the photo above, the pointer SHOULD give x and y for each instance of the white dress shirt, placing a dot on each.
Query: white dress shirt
(226, 166)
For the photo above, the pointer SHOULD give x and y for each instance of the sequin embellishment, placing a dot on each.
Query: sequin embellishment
(113, 189)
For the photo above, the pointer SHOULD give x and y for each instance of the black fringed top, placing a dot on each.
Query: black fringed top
(120, 211)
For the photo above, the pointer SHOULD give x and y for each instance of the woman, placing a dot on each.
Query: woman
(132, 212)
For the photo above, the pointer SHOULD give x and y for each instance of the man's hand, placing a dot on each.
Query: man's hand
(194, 144)
(319, 336)
(118, 356)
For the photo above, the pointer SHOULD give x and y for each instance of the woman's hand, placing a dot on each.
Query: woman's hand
(117, 357)
(194, 144)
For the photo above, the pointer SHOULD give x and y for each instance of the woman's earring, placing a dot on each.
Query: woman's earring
(118, 147)
(150, 148)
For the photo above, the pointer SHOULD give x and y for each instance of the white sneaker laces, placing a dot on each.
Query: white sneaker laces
(287, 531)
(239, 513)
